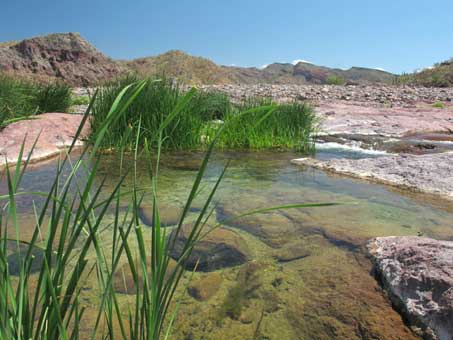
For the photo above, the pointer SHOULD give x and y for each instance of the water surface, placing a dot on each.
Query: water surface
(307, 276)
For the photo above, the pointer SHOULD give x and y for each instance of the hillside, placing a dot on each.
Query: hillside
(68, 57)
(200, 70)
(187, 68)
(440, 75)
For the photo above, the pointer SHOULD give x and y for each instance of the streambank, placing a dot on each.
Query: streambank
(413, 146)
(53, 132)
(431, 173)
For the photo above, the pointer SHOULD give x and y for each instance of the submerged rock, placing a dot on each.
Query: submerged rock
(219, 249)
(272, 228)
(16, 252)
(205, 287)
(168, 215)
(418, 274)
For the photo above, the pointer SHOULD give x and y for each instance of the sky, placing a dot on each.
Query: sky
(395, 35)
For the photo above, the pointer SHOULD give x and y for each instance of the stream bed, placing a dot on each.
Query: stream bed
(304, 273)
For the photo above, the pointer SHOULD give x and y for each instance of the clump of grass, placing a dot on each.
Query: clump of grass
(439, 105)
(54, 97)
(153, 106)
(80, 100)
(21, 98)
(289, 126)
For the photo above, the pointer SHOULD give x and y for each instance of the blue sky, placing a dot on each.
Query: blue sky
(396, 35)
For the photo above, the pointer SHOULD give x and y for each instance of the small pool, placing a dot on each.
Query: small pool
(307, 275)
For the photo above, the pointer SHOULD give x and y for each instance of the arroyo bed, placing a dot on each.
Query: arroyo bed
(288, 274)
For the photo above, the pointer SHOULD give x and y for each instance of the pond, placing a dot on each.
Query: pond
(287, 274)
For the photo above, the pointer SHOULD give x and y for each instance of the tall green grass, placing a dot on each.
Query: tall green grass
(151, 108)
(71, 227)
(289, 126)
(21, 98)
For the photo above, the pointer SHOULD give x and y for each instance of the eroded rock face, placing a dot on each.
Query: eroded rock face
(66, 56)
(221, 248)
(418, 274)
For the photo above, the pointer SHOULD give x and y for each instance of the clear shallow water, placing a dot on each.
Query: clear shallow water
(307, 274)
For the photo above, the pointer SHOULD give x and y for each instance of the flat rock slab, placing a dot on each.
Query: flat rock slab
(431, 173)
(55, 131)
(417, 272)
(339, 117)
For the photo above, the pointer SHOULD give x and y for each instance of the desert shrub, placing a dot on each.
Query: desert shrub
(335, 80)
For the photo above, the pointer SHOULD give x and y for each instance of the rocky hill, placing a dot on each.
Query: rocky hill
(69, 57)
(64, 56)
(440, 75)
(187, 68)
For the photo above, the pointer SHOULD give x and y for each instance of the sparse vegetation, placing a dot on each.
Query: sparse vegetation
(20, 98)
(439, 105)
(440, 75)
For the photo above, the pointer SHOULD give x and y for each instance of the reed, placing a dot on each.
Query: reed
(289, 127)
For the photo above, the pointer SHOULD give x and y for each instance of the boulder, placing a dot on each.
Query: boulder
(221, 248)
(417, 272)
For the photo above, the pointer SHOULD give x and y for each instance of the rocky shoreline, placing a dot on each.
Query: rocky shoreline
(432, 173)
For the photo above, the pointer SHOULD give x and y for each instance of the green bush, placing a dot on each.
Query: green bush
(335, 80)
(439, 105)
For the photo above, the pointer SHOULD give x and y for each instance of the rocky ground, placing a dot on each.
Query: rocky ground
(369, 95)
(418, 274)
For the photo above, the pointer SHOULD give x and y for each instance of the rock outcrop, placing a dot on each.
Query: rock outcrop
(52, 131)
(431, 173)
(64, 56)
(417, 273)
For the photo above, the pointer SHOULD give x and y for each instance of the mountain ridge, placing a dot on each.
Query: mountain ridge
(71, 58)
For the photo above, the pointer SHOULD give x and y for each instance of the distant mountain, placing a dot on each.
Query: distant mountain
(69, 57)
(440, 75)
(63, 56)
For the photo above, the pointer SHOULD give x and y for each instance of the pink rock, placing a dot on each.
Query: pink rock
(55, 131)
(417, 272)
